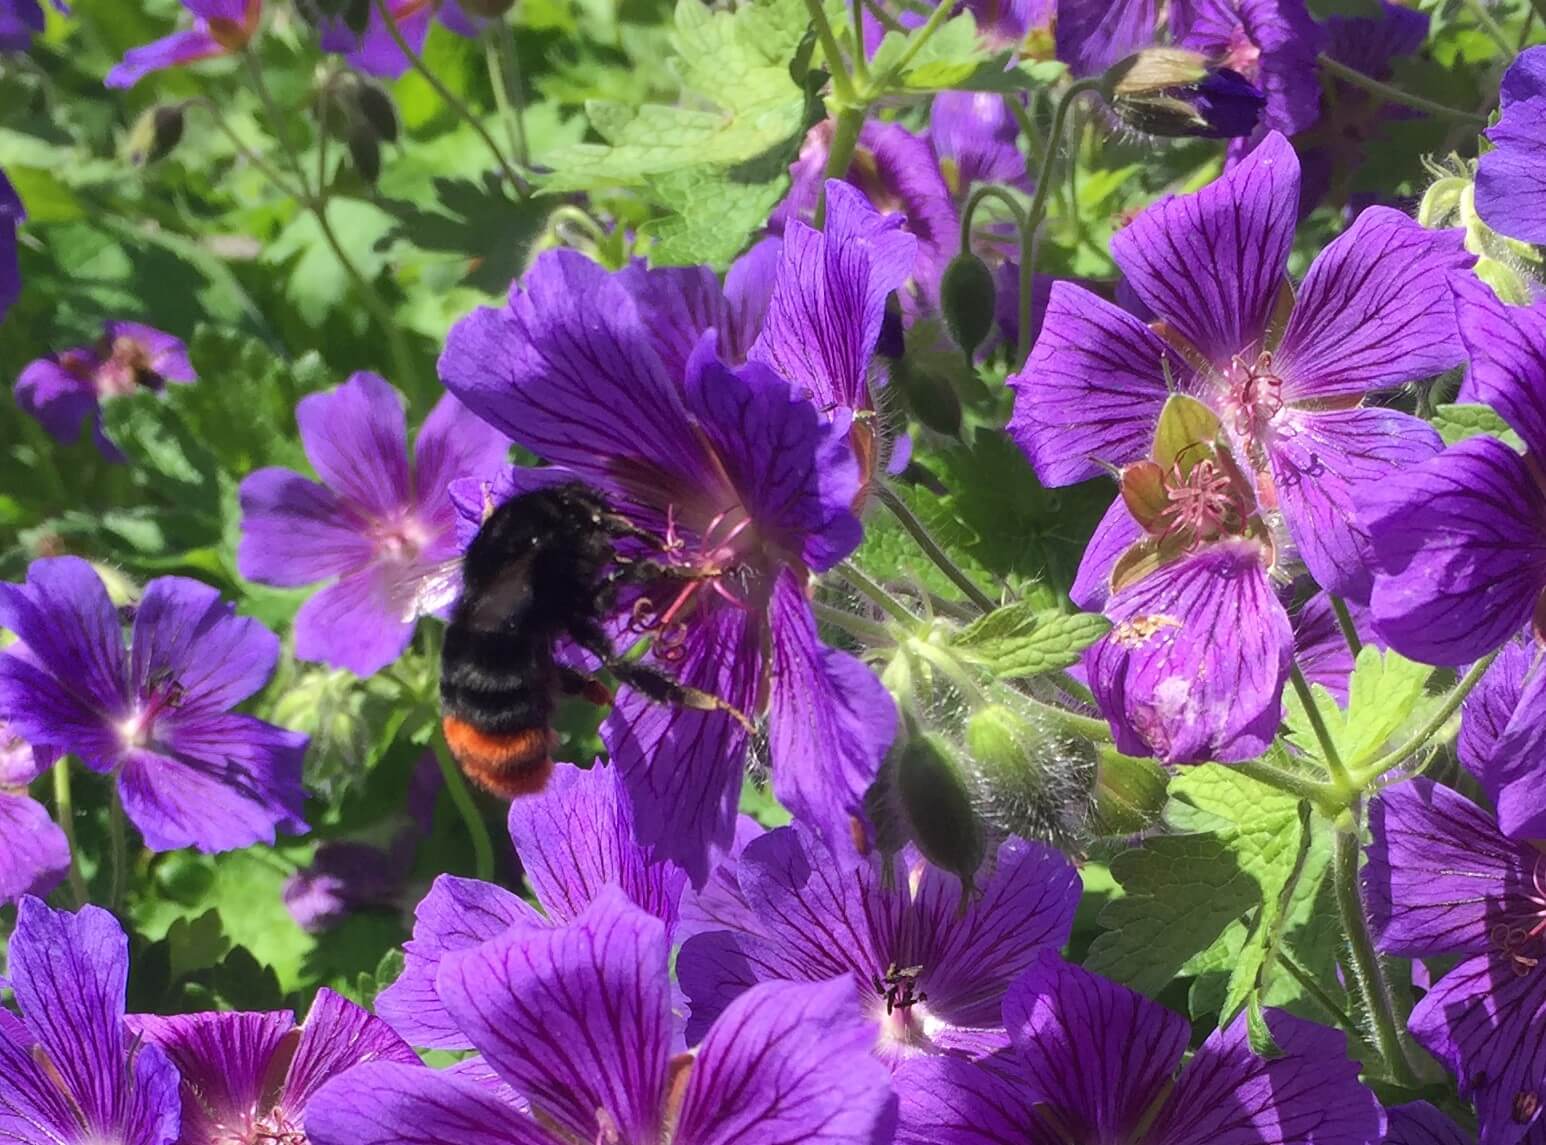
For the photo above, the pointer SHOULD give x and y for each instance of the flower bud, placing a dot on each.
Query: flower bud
(930, 396)
(1129, 792)
(1030, 779)
(376, 108)
(934, 797)
(967, 295)
(155, 134)
(1173, 92)
(365, 153)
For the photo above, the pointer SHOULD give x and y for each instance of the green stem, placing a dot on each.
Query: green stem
(1491, 26)
(1314, 989)
(1074, 688)
(64, 815)
(278, 124)
(1345, 622)
(449, 97)
(118, 843)
(1436, 722)
(887, 603)
(987, 191)
(892, 24)
(845, 140)
(861, 65)
(931, 548)
(837, 68)
(567, 212)
(1368, 971)
(1026, 284)
(1027, 124)
(1321, 796)
(1328, 746)
(509, 91)
(264, 167)
(1394, 94)
(856, 626)
(477, 829)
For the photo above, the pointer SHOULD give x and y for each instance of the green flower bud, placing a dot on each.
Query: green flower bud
(377, 109)
(1030, 778)
(967, 296)
(365, 153)
(934, 796)
(931, 396)
(155, 134)
(1129, 792)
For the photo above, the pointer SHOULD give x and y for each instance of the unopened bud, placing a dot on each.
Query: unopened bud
(930, 395)
(1172, 92)
(365, 153)
(1030, 779)
(934, 796)
(155, 134)
(377, 109)
(967, 295)
(1129, 792)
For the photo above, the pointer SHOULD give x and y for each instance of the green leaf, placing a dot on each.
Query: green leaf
(1021, 640)
(712, 215)
(1457, 421)
(196, 944)
(1385, 692)
(1234, 851)
(948, 59)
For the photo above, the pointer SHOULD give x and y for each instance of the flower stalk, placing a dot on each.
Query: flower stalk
(64, 815)
(931, 548)
(461, 796)
(1391, 94)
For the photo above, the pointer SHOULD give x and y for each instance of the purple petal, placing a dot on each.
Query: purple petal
(830, 720)
(1490, 706)
(1116, 533)
(568, 371)
(716, 967)
(787, 1063)
(41, 707)
(184, 633)
(1322, 462)
(377, 52)
(166, 354)
(792, 469)
(903, 176)
(1094, 34)
(337, 1036)
(453, 442)
(676, 304)
(456, 914)
(1194, 666)
(71, 629)
(296, 531)
(749, 285)
(577, 1018)
(1510, 186)
(356, 438)
(1484, 1020)
(57, 396)
(386, 1104)
(1526, 76)
(975, 134)
(719, 903)
(1459, 551)
(34, 854)
(185, 47)
(1511, 774)
(217, 781)
(683, 767)
(1211, 263)
(825, 313)
(223, 1060)
(577, 837)
(362, 623)
(1096, 1053)
(1279, 33)
(1507, 350)
(1418, 1123)
(1092, 388)
(32, 1108)
(1437, 870)
(950, 1101)
(1227, 1095)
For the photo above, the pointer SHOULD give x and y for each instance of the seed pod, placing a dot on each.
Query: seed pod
(938, 805)
(967, 296)
(377, 108)
(155, 134)
(365, 153)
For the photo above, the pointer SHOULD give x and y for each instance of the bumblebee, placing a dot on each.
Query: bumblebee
(543, 567)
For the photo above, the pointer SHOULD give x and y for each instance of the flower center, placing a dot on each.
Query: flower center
(162, 693)
(1254, 397)
(399, 541)
(1241, 55)
(899, 988)
(716, 560)
(275, 1129)
(1203, 505)
(1518, 934)
(125, 368)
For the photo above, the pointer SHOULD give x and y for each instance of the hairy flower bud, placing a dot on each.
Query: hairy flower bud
(1029, 778)
(967, 296)
(1174, 92)
(155, 134)
(937, 803)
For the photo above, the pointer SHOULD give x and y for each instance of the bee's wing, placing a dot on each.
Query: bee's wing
(417, 590)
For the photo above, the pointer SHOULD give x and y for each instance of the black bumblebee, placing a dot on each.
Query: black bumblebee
(544, 566)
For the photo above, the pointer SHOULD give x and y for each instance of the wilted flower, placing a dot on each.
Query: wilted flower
(380, 525)
(577, 1021)
(376, 50)
(70, 1070)
(34, 853)
(932, 975)
(1175, 92)
(1095, 1062)
(248, 1077)
(1511, 176)
(574, 838)
(1442, 881)
(157, 713)
(220, 28)
(749, 488)
(65, 390)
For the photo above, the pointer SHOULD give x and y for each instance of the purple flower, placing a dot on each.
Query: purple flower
(1095, 1062)
(248, 1077)
(20, 20)
(1510, 184)
(375, 50)
(220, 28)
(750, 488)
(380, 525)
(1094, 34)
(70, 1071)
(1418, 1123)
(1459, 543)
(933, 976)
(1272, 44)
(1373, 313)
(1442, 880)
(573, 839)
(1320, 646)
(1007, 24)
(576, 1020)
(157, 713)
(1502, 736)
(65, 390)
(34, 854)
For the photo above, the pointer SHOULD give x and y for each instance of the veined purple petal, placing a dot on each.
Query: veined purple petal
(296, 531)
(1510, 189)
(217, 9)
(185, 635)
(1513, 780)
(1096, 1053)
(749, 285)
(1322, 461)
(899, 172)
(1092, 388)
(356, 438)
(976, 139)
(54, 391)
(1273, 43)
(336, 1036)
(223, 1060)
(1194, 666)
(1094, 34)
(34, 854)
(575, 1018)
(1490, 707)
(32, 1108)
(452, 443)
(825, 312)
(577, 836)
(1418, 1123)
(165, 354)
(71, 629)
(787, 1062)
(1211, 263)
(719, 903)
(1506, 346)
(677, 305)
(1459, 551)
(830, 720)
(1116, 533)
(1437, 871)
(1374, 311)
(185, 47)
(1227, 1095)
(39, 706)
(376, 51)
(389, 1104)
(952, 1101)
(456, 914)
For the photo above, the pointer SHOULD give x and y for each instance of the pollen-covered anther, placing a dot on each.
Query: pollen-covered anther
(1137, 631)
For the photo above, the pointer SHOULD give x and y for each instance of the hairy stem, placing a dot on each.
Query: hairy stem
(1328, 746)
(64, 815)
(1321, 796)
(887, 603)
(931, 548)
(1345, 622)
(858, 627)
(1394, 94)
(461, 796)
(505, 77)
(1313, 988)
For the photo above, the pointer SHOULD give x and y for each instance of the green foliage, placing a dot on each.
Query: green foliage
(1022, 640)
(1386, 692)
(1456, 422)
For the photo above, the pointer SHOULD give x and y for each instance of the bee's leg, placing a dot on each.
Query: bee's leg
(573, 682)
(657, 686)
